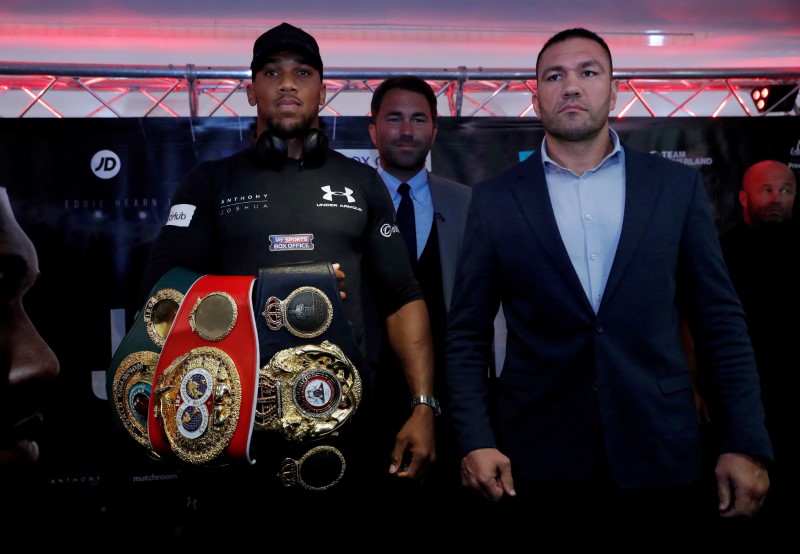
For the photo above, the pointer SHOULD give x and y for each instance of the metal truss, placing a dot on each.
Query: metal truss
(86, 91)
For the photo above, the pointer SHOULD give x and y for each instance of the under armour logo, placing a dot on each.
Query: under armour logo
(329, 194)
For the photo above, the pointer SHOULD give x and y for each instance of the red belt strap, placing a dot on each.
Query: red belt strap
(205, 384)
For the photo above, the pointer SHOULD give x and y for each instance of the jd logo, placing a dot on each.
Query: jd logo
(329, 194)
(105, 164)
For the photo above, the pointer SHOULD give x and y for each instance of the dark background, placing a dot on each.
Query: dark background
(92, 237)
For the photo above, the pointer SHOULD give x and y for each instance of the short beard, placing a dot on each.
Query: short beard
(415, 163)
(406, 161)
(571, 133)
(293, 128)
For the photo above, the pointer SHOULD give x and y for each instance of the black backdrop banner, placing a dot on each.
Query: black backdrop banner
(92, 194)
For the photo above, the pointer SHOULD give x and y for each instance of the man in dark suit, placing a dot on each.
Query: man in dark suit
(595, 250)
(761, 254)
(403, 129)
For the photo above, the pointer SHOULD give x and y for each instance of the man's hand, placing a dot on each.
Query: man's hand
(488, 472)
(414, 447)
(742, 484)
(340, 279)
(410, 336)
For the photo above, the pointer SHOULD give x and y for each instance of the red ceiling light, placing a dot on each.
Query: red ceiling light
(774, 98)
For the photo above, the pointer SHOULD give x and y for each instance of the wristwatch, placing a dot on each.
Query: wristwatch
(429, 400)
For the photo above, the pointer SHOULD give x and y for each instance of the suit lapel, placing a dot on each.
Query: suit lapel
(449, 228)
(641, 191)
(530, 190)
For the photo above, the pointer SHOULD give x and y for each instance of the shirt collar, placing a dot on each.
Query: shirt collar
(616, 151)
(417, 182)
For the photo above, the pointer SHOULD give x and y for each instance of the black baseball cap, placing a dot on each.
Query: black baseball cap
(285, 37)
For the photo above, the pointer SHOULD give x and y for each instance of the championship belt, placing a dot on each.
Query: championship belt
(308, 383)
(204, 388)
(308, 391)
(129, 378)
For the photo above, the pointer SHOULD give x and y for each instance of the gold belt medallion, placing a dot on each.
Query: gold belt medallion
(198, 401)
(213, 316)
(159, 313)
(306, 313)
(131, 389)
(307, 392)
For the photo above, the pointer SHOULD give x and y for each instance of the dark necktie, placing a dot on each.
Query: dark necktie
(406, 222)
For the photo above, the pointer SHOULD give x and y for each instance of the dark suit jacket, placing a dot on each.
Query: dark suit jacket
(574, 380)
(450, 204)
(451, 201)
(384, 374)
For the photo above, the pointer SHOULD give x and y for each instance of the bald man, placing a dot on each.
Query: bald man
(767, 195)
(763, 256)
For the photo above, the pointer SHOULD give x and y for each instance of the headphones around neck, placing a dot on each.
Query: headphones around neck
(272, 150)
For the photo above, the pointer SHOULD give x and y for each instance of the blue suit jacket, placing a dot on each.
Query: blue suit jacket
(574, 380)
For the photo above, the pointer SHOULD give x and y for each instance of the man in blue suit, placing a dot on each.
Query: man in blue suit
(594, 251)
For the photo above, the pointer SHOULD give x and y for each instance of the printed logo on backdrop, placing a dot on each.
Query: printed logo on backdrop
(794, 165)
(680, 156)
(105, 164)
(370, 156)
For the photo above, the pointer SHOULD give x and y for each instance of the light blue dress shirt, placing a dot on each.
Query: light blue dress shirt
(589, 210)
(423, 203)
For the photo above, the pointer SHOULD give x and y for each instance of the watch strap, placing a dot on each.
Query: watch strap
(428, 400)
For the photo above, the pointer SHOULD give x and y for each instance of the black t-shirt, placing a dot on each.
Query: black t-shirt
(235, 215)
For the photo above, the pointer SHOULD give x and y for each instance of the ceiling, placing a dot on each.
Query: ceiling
(407, 34)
